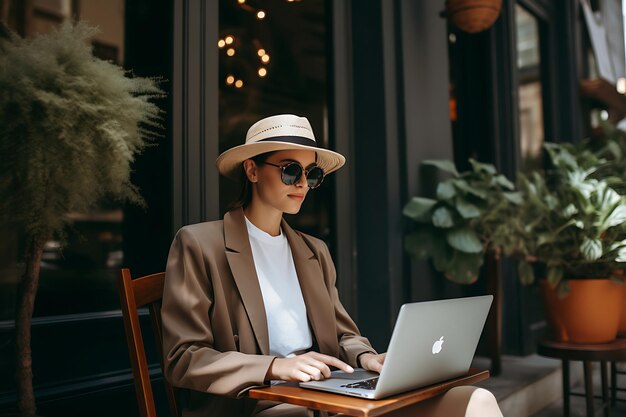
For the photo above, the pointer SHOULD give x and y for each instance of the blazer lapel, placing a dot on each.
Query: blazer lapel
(239, 255)
(319, 308)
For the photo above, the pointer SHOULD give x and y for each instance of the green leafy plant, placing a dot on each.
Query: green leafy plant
(457, 227)
(70, 127)
(569, 220)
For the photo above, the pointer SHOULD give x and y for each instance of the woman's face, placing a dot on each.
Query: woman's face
(272, 192)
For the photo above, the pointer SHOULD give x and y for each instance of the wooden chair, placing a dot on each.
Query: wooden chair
(136, 293)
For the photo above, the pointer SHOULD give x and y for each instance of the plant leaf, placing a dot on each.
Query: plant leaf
(464, 240)
(621, 255)
(464, 268)
(445, 190)
(554, 276)
(467, 210)
(617, 217)
(526, 273)
(504, 182)
(514, 197)
(442, 217)
(468, 189)
(419, 208)
(479, 166)
(442, 164)
(591, 249)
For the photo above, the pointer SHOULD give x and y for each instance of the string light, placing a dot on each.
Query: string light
(260, 15)
(262, 72)
(221, 43)
(230, 51)
(260, 52)
(239, 84)
(265, 58)
(229, 39)
(241, 1)
(230, 79)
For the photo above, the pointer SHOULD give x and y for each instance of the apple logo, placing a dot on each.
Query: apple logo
(437, 346)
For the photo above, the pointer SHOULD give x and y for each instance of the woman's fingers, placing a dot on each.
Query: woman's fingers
(312, 371)
(321, 366)
(307, 367)
(331, 361)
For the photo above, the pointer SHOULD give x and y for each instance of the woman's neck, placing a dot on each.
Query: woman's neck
(266, 220)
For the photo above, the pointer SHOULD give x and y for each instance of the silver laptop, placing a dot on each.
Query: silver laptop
(431, 342)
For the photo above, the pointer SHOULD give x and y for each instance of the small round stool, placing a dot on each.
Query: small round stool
(603, 353)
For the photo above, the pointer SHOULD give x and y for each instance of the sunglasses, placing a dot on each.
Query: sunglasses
(291, 173)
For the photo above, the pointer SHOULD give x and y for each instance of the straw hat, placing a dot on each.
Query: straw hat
(277, 133)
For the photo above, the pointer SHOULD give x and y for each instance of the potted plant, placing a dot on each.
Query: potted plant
(70, 127)
(567, 219)
(457, 227)
(571, 221)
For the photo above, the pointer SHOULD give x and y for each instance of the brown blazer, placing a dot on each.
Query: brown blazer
(215, 337)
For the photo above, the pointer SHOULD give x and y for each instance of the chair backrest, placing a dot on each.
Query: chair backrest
(136, 293)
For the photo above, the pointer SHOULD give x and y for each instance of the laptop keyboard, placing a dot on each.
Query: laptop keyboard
(365, 384)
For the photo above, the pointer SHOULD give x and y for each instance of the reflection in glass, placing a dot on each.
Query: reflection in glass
(530, 95)
(271, 65)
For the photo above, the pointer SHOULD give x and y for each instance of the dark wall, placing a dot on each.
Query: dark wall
(400, 83)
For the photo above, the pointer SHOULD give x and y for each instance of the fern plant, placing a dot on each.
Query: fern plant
(70, 127)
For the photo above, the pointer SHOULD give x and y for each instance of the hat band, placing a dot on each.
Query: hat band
(298, 140)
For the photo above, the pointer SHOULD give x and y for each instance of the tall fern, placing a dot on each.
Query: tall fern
(70, 128)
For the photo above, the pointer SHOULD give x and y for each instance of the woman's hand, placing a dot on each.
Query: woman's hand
(303, 368)
(372, 362)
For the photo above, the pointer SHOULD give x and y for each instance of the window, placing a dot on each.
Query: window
(272, 60)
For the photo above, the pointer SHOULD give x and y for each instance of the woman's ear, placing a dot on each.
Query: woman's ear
(250, 168)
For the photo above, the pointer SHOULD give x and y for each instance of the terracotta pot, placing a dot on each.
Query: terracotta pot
(622, 321)
(473, 16)
(590, 313)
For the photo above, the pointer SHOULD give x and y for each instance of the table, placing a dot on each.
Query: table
(359, 407)
(587, 353)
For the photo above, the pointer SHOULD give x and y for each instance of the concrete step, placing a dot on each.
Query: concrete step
(528, 384)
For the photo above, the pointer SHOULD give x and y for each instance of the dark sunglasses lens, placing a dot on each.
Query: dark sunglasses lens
(291, 174)
(315, 177)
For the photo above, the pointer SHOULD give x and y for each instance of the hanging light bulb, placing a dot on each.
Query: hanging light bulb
(230, 80)
(260, 52)
(229, 39)
(262, 72)
(260, 15)
(265, 58)
(241, 1)
(239, 84)
(221, 43)
(230, 51)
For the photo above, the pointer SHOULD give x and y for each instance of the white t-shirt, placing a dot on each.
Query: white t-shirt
(287, 322)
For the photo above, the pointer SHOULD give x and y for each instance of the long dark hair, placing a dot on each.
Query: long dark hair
(245, 192)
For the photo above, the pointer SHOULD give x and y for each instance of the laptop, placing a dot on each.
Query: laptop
(432, 341)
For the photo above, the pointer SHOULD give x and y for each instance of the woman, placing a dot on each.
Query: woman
(248, 300)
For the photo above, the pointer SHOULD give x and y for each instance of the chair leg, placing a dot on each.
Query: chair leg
(566, 387)
(605, 389)
(588, 371)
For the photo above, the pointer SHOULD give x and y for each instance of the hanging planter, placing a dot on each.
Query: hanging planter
(473, 16)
